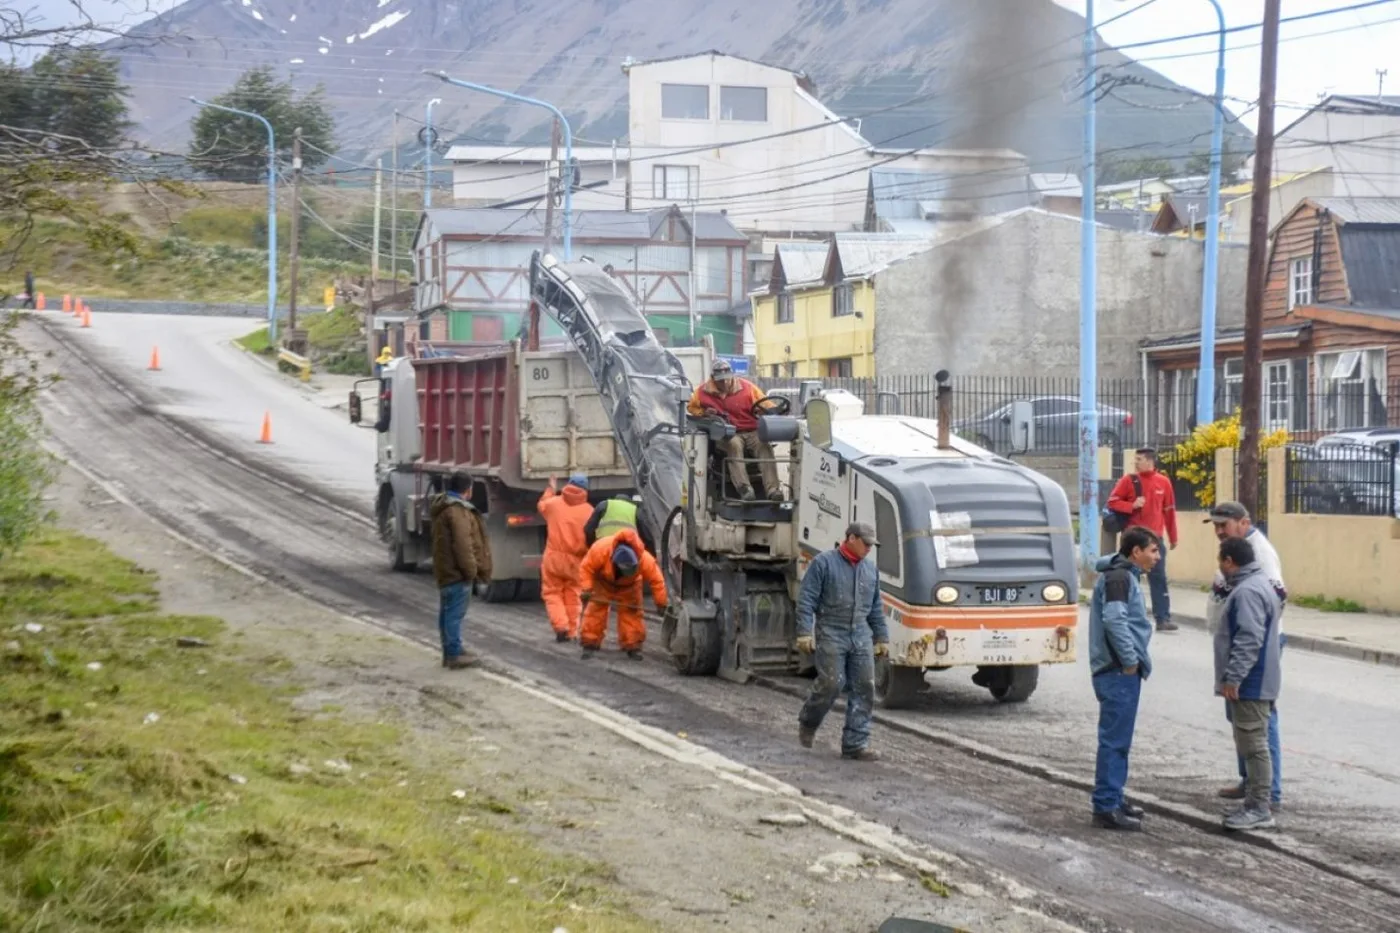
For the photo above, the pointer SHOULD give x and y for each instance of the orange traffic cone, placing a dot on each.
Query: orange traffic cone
(155, 359)
(87, 318)
(39, 302)
(67, 303)
(77, 304)
(266, 436)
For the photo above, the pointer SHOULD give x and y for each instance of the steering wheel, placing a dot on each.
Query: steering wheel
(771, 405)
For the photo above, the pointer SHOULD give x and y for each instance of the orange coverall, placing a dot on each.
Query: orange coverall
(565, 514)
(598, 579)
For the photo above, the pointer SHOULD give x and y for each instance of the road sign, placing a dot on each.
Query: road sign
(740, 364)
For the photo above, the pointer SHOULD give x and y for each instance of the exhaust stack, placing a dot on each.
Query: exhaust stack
(945, 409)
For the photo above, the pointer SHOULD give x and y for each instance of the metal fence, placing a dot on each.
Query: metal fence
(1342, 479)
(1130, 414)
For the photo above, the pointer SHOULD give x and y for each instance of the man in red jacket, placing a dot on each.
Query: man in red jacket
(1147, 499)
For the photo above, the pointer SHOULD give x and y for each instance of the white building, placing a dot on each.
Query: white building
(723, 133)
(1358, 138)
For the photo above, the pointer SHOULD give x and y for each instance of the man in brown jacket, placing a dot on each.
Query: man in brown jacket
(461, 557)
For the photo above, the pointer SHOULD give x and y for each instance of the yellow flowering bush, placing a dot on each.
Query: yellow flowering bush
(1193, 460)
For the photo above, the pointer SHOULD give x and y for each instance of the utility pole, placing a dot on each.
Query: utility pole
(1258, 259)
(551, 185)
(694, 265)
(374, 248)
(1380, 89)
(295, 252)
(1088, 316)
(394, 206)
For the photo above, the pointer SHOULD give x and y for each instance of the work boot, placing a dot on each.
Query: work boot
(634, 654)
(862, 754)
(746, 493)
(1233, 792)
(1168, 626)
(1250, 816)
(1133, 810)
(562, 637)
(777, 496)
(1117, 819)
(589, 652)
(806, 735)
(460, 662)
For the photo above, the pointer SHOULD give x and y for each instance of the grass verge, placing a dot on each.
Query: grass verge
(146, 785)
(1327, 603)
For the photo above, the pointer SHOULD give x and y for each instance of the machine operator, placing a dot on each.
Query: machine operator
(732, 399)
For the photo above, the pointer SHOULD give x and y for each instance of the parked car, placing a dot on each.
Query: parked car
(1056, 419)
(1353, 472)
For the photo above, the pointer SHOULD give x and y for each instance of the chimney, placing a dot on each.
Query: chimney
(945, 409)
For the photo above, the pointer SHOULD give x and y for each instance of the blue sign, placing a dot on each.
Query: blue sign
(740, 364)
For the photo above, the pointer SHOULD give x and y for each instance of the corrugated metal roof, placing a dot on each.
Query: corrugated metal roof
(907, 194)
(1371, 256)
(1192, 339)
(861, 254)
(588, 225)
(1362, 210)
(708, 226)
(528, 154)
(803, 263)
(1067, 185)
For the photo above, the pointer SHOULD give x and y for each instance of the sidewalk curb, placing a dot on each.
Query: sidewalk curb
(1328, 646)
(306, 388)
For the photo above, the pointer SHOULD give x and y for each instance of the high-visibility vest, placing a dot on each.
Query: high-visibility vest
(618, 514)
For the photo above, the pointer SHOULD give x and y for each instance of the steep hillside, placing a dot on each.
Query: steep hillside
(998, 72)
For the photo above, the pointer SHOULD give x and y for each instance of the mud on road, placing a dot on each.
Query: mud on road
(995, 820)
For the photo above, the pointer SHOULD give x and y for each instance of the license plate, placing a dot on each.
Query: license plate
(999, 594)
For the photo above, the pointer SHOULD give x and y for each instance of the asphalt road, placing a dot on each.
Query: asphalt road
(1342, 771)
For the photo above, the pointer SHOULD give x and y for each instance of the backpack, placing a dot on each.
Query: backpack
(1116, 522)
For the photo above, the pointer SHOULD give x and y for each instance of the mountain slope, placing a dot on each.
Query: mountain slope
(997, 73)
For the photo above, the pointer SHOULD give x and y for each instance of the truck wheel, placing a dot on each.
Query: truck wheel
(699, 656)
(395, 535)
(896, 686)
(1012, 684)
(528, 591)
(501, 591)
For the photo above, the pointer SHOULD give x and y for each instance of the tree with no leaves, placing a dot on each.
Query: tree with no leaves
(233, 147)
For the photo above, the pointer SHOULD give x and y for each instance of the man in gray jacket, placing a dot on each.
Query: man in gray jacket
(1248, 674)
(840, 616)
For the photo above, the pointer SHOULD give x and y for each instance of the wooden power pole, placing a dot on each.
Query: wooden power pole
(295, 253)
(551, 190)
(394, 207)
(1250, 414)
(374, 247)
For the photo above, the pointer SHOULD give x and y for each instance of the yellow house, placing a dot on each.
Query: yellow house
(816, 319)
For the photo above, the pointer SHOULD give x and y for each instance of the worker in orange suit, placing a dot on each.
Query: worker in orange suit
(612, 575)
(565, 514)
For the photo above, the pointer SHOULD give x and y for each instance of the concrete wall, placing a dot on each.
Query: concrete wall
(486, 184)
(1362, 149)
(1005, 300)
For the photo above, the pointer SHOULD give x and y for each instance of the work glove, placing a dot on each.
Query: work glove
(585, 597)
(882, 649)
(806, 644)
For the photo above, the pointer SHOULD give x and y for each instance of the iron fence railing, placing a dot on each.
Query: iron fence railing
(1342, 479)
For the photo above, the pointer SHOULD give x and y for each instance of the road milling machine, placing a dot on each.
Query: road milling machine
(975, 556)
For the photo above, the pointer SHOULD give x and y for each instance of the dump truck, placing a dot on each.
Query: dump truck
(975, 557)
(510, 417)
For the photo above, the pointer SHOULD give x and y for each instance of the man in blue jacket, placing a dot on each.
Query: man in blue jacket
(1119, 632)
(840, 617)
(1248, 674)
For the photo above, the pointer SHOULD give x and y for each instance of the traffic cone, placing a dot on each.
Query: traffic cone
(39, 302)
(87, 318)
(266, 436)
(155, 359)
(67, 303)
(77, 304)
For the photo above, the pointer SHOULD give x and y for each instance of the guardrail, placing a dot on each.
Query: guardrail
(302, 364)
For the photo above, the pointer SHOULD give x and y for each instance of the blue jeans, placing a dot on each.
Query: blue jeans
(845, 660)
(1118, 696)
(1276, 791)
(1157, 586)
(452, 609)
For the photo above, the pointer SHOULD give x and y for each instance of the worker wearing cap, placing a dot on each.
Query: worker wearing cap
(732, 399)
(385, 357)
(1232, 520)
(564, 517)
(612, 575)
(841, 619)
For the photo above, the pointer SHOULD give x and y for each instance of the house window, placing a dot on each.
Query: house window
(712, 270)
(675, 182)
(1278, 395)
(1232, 387)
(743, 104)
(1300, 283)
(685, 102)
(1180, 401)
(437, 262)
(1349, 388)
(839, 368)
(785, 315)
(843, 302)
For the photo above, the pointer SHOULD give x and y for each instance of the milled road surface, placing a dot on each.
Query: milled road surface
(172, 449)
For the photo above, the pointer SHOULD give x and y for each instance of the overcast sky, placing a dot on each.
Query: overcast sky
(1344, 60)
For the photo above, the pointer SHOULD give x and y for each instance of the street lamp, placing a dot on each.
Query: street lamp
(428, 142)
(568, 146)
(271, 212)
(1205, 383)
